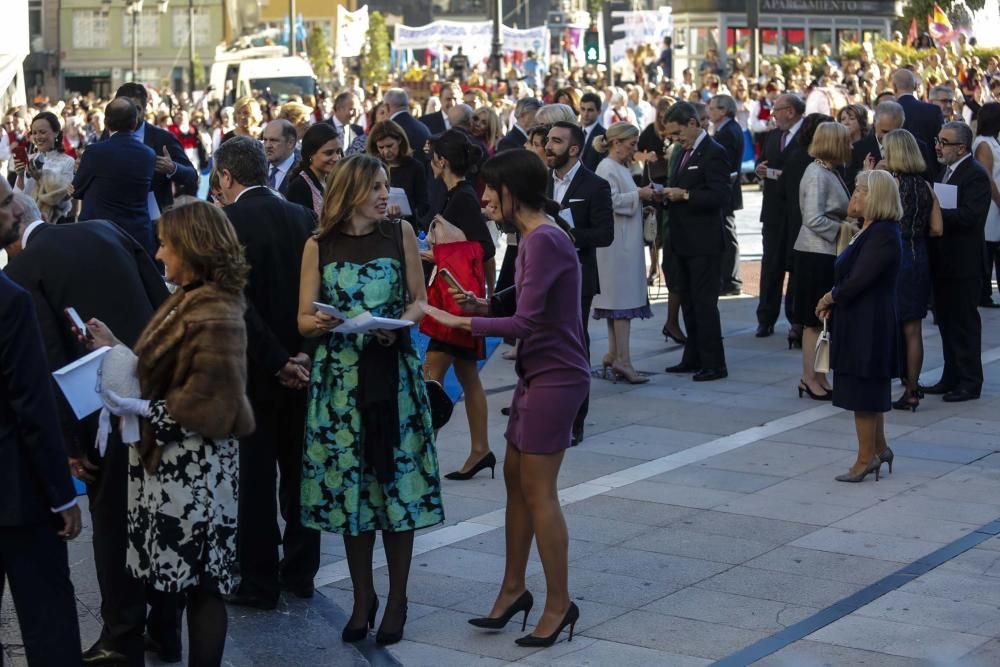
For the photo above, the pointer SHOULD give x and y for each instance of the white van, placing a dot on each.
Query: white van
(261, 72)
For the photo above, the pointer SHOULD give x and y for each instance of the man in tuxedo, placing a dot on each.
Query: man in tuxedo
(922, 120)
(957, 266)
(279, 141)
(450, 95)
(397, 102)
(698, 198)
(729, 135)
(590, 113)
(114, 177)
(38, 510)
(274, 232)
(345, 112)
(779, 147)
(103, 273)
(172, 165)
(524, 119)
(587, 198)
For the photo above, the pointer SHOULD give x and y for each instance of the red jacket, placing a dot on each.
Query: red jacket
(464, 260)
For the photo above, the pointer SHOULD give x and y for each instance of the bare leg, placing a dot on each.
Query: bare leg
(623, 352)
(475, 409)
(539, 474)
(612, 355)
(816, 381)
(880, 442)
(518, 532)
(359, 550)
(866, 425)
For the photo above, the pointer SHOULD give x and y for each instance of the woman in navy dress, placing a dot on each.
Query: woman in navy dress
(553, 379)
(863, 338)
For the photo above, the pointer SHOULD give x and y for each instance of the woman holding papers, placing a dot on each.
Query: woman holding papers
(322, 147)
(183, 475)
(388, 141)
(553, 380)
(370, 462)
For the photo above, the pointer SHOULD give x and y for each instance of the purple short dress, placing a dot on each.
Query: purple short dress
(553, 367)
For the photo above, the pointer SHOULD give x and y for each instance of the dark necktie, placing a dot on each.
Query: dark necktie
(272, 179)
(685, 158)
(784, 139)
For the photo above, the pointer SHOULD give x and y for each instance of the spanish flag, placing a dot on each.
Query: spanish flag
(939, 26)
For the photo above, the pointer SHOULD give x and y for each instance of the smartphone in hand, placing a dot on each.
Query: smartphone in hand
(78, 323)
(451, 280)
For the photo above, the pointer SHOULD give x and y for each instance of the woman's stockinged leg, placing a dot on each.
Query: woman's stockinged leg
(518, 533)
(539, 475)
(623, 351)
(399, 555)
(914, 342)
(359, 549)
(207, 625)
(866, 425)
(816, 381)
(881, 444)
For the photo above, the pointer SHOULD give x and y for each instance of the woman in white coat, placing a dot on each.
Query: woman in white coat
(622, 266)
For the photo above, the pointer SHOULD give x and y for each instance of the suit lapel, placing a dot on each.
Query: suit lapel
(573, 185)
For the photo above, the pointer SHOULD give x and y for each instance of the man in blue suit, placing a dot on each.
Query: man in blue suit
(38, 510)
(922, 120)
(397, 102)
(115, 176)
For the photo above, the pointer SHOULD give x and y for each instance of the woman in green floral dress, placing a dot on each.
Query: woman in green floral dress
(369, 461)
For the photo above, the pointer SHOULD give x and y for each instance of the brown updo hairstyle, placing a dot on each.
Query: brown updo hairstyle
(388, 129)
(56, 126)
(205, 240)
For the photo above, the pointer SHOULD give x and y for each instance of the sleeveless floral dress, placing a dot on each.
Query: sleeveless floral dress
(340, 492)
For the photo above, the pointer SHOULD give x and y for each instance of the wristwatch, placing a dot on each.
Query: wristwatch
(687, 195)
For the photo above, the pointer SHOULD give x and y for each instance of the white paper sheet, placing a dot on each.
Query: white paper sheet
(360, 323)
(567, 216)
(947, 195)
(398, 197)
(78, 382)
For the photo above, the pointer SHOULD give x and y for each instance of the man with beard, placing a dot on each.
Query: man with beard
(587, 198)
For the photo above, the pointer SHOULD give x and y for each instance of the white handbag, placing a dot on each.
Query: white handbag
(821, 362)
(118, 374)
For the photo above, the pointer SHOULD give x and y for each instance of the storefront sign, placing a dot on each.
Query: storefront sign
(842, 7)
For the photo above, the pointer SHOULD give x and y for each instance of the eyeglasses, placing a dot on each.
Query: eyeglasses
(946, 144)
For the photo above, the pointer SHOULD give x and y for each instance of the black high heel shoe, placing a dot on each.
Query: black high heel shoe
(804, 388)
(384, 638)
(570, 619)
(488, 461)
(351, 635)
(522, 603)
(872, 467)
(906, 402)
(667, 336)
(887, 456)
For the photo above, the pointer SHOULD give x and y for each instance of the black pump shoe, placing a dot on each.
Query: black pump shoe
(351, 635)
(522, 603)
(570, 619)
(488, 461)
(384, 638)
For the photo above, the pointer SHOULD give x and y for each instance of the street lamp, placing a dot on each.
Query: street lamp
(134, 8)
(496, 53)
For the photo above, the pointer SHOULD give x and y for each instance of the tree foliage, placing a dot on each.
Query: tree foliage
(375, 55)
(921, 9)
(320, 56)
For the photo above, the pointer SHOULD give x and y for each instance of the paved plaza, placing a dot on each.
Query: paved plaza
(705, 528)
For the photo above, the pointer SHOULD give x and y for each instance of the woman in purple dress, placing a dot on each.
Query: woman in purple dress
(553, 379)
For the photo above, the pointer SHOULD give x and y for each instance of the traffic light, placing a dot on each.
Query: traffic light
(591, 46)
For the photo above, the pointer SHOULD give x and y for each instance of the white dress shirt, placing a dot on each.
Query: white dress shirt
(282, 173)
(560, 185)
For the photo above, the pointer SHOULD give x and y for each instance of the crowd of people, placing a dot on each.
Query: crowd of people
(229, 315)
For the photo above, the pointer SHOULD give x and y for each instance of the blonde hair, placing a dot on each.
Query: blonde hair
(831, 143)
(882, 201)
(249, 103)
(295, 113)
(347, 188)
(206, 241)
(553, 113)
(617, 132)
(493, 132)
(902, 155)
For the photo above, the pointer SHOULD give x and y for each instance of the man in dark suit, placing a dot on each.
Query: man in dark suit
(729, 135)
(397, 102)
(115, 176)
(279, 139)
(345, 112)
(172, 165)
(889, 116)
(437, 122)
(524, 120)
(587, 198)
(957, 266)
(38, 510)
(779, 146)
(922, 120)
(103, 273)
(699, 196)
(274, 232)
(590, 112)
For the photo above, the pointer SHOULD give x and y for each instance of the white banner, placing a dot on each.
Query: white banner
(473, 37)
(644, 27)
(352, 31)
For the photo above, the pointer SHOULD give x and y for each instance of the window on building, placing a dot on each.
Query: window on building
(738, 42)
(795, 37)
(90, 29)
(818, 37)
(703, 39)
(148, 28)
(202, 27)
(34, 18)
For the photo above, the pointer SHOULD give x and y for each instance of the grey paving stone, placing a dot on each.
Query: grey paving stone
(900, 523)
(591, 613)
(780, 586)
(814, 438)
(817, 654)
(774, 458)
(912, 641)
(587, 652)
(965, 484)
(869, 545)
(434, 590)
(739, 526)
(461, 508)
(674, 571)
(493, 542)
(604, 531)
(671, 494)
(985, 655)
(465, 564)
(919, 502)
(610, 589)
(844, 425)
(988, 440)
(450, 629)
(418, 654)
(971, 425)
(703, 546)
(975, 561)
(937, 450)
(956, 586)
(824, 491)
(737, 611)
(675, 634)
(712, 478)
(772, 507)
(961, 616)
(718, 423)
(636, 511)
(825, 565)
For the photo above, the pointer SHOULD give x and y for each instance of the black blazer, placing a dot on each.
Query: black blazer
(417, 134)
(113, 180)
(186, 175)
(590, 157)
(34, 475)
(868, 145)
(101, 271)
(696, 224)
(958, 254)
(434, 122)
(513, 139)
(730, 137)
(788, 195)
(772, 211)
(274, 233)
(411, 176)
(923, 120)
(588, 197)
(298, 191)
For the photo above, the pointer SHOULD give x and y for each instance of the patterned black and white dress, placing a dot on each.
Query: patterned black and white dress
(182, 518)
